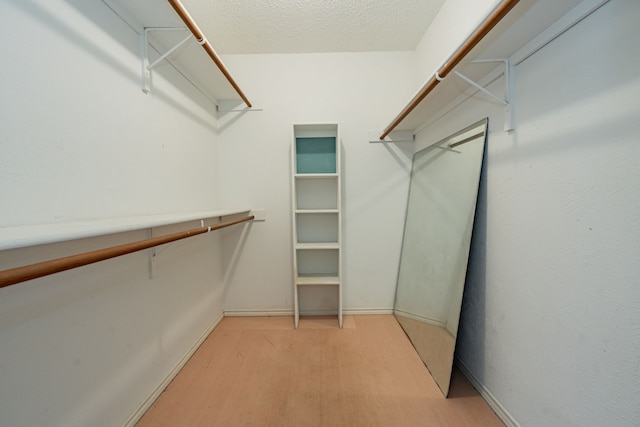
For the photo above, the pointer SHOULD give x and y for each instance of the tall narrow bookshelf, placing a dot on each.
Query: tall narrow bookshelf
(316, 205)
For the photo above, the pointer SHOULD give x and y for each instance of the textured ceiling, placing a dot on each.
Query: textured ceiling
(300, 26)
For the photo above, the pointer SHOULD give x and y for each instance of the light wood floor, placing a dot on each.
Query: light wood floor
(259, 371)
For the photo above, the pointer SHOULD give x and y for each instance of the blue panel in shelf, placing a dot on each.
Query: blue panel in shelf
(316, 155)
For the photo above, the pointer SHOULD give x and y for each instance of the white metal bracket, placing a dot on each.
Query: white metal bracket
(395, 136)
(233, 106)
(508, 102)
(446, 149)
(145, 79)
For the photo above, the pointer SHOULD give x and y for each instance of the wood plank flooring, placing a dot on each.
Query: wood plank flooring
(259, 371)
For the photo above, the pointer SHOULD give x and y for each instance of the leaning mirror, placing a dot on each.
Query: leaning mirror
(435, 248)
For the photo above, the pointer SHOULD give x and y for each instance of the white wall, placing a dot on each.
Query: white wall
(551, 316)
(455, 21)
(361, 92)
(79, 140)
(550, 324)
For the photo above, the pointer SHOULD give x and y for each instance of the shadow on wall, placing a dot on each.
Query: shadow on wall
(469, 350)
(125, 65)
(231, 257)
(81, 40)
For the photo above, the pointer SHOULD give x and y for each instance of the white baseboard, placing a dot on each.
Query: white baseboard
(365, 311)
(420, 318)
(289, 312)
(497, 407)
(259, 313)
(158, 390)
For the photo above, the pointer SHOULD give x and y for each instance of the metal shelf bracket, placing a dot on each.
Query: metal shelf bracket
(509, 73)
(145, 79)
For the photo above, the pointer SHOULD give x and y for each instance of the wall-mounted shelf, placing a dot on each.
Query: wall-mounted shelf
(529, 25)
(160, 20)
(40, 234)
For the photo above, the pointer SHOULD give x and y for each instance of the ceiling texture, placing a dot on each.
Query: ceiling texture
(305, 26)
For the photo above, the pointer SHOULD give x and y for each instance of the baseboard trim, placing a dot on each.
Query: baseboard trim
(491, 400)
(176, 369)
(289, 312)
(259, 313)
(420, 318)
(365, 311)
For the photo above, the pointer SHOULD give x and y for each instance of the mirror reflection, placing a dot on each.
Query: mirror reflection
(435, 248)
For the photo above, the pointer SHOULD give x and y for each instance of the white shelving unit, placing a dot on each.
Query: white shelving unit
(316, 205)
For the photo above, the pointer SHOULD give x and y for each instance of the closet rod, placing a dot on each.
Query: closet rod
(471, 42)
(202, 41)
(33, 271)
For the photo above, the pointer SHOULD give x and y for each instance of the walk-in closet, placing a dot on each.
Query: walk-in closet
(329, 213)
